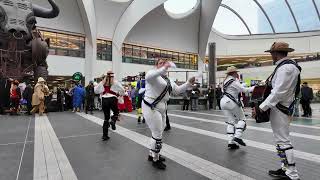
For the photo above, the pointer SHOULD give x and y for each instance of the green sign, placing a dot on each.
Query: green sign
(77, 76)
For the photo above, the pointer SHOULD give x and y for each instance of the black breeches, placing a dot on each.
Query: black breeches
(108, 104)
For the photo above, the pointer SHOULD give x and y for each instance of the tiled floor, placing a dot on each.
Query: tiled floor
(68, 146)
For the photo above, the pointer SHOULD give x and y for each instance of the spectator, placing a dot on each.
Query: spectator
(133, 97)
(186, 99)
(210, 97)
(195, 94)
(90, 97)
(27, 95)
(168, 126)
(4, 94)
(15, 96)
(306, 97)
(78, 97)
(38, 97)
(68, 99)
(60, 99)
(219, 96)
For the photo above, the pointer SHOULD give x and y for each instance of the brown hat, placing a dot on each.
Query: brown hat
(231, 69)
(280, 47)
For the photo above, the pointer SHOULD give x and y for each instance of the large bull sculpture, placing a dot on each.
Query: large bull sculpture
(23, 51)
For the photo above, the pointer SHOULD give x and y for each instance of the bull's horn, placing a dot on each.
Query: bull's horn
(44, 12)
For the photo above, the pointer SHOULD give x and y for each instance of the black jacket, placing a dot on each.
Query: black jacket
(306, 93)
(27, 93)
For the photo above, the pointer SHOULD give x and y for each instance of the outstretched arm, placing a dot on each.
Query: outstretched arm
(183, 88)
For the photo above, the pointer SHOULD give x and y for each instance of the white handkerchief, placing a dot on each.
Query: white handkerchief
(172, 64)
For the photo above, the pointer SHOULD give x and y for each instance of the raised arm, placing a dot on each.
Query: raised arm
(153, 74)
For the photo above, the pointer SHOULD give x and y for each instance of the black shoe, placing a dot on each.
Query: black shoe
(278, 173)
(150, 158)
(240, 141)
(167, 128)
(143, 120)
(91, 112)
(233, 146)
(113, 125)
(86, 112)
(159, 164)
(139, 120)
(105, 138)
(285, 178)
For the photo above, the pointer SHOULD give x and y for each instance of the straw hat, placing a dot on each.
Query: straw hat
(280, 47)
(231, 69)
(40, 79)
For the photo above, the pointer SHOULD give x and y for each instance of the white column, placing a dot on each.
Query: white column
(209, 9)
(89, 22)
(116, 60)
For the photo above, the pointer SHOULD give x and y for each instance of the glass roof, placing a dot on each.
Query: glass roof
(246, 17)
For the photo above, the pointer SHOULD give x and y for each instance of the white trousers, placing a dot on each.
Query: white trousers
(156, 121)
(280, 123)
(236, 118)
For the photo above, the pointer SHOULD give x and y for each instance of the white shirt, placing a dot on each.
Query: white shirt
(236, 87)
(284, 84)
(115, 87)
(155, 84)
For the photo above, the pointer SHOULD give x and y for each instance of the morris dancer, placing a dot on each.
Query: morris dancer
(109, 89)
(154, 106)
(285, 82)
(233, 107)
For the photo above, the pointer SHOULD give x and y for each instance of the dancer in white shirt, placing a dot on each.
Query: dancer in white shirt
(233, 107)
(109, 89)
(154, 106)
(285, 83)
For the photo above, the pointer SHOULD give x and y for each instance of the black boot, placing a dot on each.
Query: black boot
(105, 129)
(240, 141)
(105, 138)
(143, 120)
(167, 128)
(139, 120)
(278, 173)
(159, 164)
(233, 146)
(150, 158)
(113, 124)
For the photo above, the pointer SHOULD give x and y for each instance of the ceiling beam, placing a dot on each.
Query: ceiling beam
(292, 14)
(238, 15)
(266, 15)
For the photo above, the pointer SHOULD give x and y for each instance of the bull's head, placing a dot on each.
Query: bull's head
(46, 13)
(17, 17)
